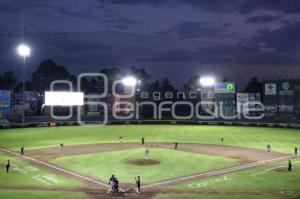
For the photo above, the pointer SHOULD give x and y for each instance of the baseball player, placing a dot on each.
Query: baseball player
(22, 151)
(111, 183)
(269, 148)
(296, 151)
(138, 184)
(116, 186)
(176, 146)
(143, 140)
(222, 139)
(290, 166)
(7, 165)
(61, 146)
(147, 153)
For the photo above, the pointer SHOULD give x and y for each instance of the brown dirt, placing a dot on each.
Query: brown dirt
(148, 194)
(281, 169)
(243, 155)
(143, 162)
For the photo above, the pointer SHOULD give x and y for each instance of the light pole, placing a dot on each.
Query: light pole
(130, 83)
(23, 51)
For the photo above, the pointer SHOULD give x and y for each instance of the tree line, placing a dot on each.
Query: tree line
(48, 71)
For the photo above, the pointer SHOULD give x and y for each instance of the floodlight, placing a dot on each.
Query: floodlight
(129, 81)
(23, 50)
(207, 81)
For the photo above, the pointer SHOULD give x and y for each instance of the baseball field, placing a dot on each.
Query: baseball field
(202, 166)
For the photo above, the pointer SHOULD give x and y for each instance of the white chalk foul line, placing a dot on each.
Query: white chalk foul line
(221, 171)
(56, 168)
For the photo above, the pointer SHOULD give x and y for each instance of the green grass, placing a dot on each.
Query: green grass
(260, 178)
(219, 196)
(21, 194)
(282, 140)
(25, 174)
(173, 164)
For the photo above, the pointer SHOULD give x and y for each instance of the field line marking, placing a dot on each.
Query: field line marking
(221, 171)
(55, 167)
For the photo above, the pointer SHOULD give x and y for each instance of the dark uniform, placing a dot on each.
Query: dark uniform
(111, 183)
(176, 145)
(22, 150)
(222, 140)
(7, 165)
(116, 186)
(143, 140)
(290, 166)
(138, 184)
(296, 151)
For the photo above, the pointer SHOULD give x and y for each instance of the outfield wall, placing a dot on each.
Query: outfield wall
(153, 122)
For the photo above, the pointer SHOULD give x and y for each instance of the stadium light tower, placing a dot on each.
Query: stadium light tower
(207, 81)
(130, 81)
(24, 51)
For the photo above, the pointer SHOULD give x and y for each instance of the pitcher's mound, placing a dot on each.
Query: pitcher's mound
(143, 162)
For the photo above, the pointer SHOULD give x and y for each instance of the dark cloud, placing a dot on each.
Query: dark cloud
(283, 6)
(262, 19)
(206, 5)
(45, 8)
(284, 39)
(139, 2)
(191, 30)
(244, 56)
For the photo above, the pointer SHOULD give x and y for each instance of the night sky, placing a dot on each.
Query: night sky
(170, 38)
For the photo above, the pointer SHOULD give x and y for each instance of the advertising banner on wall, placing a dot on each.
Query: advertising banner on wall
(225, 87)
(279, 98)
(32, 102)
(297, 98)
(270, 89)
(286, 96)
(241, 99)
(5, 103)
(121, 105)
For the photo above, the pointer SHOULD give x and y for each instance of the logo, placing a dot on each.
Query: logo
(270, 89)
(228, 87)
(285, 86)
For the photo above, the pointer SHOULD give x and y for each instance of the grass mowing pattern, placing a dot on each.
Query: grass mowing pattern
(173, 164)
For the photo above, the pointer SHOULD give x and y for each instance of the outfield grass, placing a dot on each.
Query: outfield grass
(260, 178)
(102, 165)
(22, 194)
(173, 164)
(219, 196)
(25, 174)
(282, 140)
